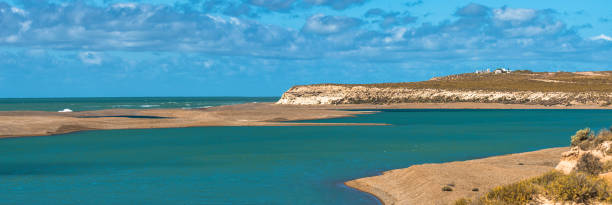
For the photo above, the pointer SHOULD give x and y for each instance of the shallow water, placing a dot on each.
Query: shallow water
(266, 165)
(83, 104)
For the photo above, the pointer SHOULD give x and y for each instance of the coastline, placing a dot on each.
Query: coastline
(421, 184)
(417, 183)
(41, 123)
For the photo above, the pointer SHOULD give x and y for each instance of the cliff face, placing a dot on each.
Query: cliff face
(339, 94)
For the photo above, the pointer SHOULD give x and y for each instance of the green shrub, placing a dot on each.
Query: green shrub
(586, 139)
(581, 136)
(578, 187)
(589, 164)
(517, 193)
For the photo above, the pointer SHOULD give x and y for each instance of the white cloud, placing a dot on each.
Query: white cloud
(217, 19)
(18, 11)
(25, 26)
(89, 57)
(510, 14)
(124, 5)
(397, 35)
(322, 24)
(11, 39)
(601, 37)
(207, 64)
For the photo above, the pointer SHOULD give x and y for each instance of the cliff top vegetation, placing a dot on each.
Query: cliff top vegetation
(522, 80)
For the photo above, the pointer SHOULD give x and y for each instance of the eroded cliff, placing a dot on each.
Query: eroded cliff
(536, 89)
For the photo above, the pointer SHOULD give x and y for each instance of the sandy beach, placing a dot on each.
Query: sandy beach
(422, 184)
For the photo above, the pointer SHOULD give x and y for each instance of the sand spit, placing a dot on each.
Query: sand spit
(37, 123)
(422, 184)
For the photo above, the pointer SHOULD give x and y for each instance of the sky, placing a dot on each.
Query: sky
(114, 48)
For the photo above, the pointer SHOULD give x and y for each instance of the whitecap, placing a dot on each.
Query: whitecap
(149, 106)
(123, 105)
(65, 110)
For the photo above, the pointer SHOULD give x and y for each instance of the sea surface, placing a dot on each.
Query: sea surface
(84, 104)
(266, 165)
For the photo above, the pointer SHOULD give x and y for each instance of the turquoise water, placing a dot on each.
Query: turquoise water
(83, 104)
(266, 165)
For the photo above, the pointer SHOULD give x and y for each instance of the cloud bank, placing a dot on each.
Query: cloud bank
(227, 41)
(477, 31)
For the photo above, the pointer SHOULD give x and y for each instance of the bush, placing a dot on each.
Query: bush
(447, 188)
(578, 187)
(575, 187)
(605, 135)
(589, 164)
(580, 136)
(518, 193)
(586, 139)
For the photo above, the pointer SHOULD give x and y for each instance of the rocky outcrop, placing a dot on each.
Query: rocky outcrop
(349, 94)
(588, 153)
(570, 159)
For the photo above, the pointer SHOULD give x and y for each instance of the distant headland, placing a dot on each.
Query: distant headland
(498, 86)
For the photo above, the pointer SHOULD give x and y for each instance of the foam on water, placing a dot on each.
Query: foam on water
(84, 104)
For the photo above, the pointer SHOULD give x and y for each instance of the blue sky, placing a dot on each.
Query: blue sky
(263, 47)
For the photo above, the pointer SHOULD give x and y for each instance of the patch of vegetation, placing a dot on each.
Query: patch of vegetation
(581, 136)
(463, 201)
(447, 188)
(607, 167)
(590, 164)
(586, 139)
(576, 187)
(515, 81)
(517, 193)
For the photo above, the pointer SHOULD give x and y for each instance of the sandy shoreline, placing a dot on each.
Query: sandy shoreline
(422, 184)
(40, 123)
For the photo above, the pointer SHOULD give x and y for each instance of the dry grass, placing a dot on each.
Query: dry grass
(556, 186)
(516, 81)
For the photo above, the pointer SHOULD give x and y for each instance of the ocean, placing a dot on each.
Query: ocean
(85, 104)
(267, 165)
